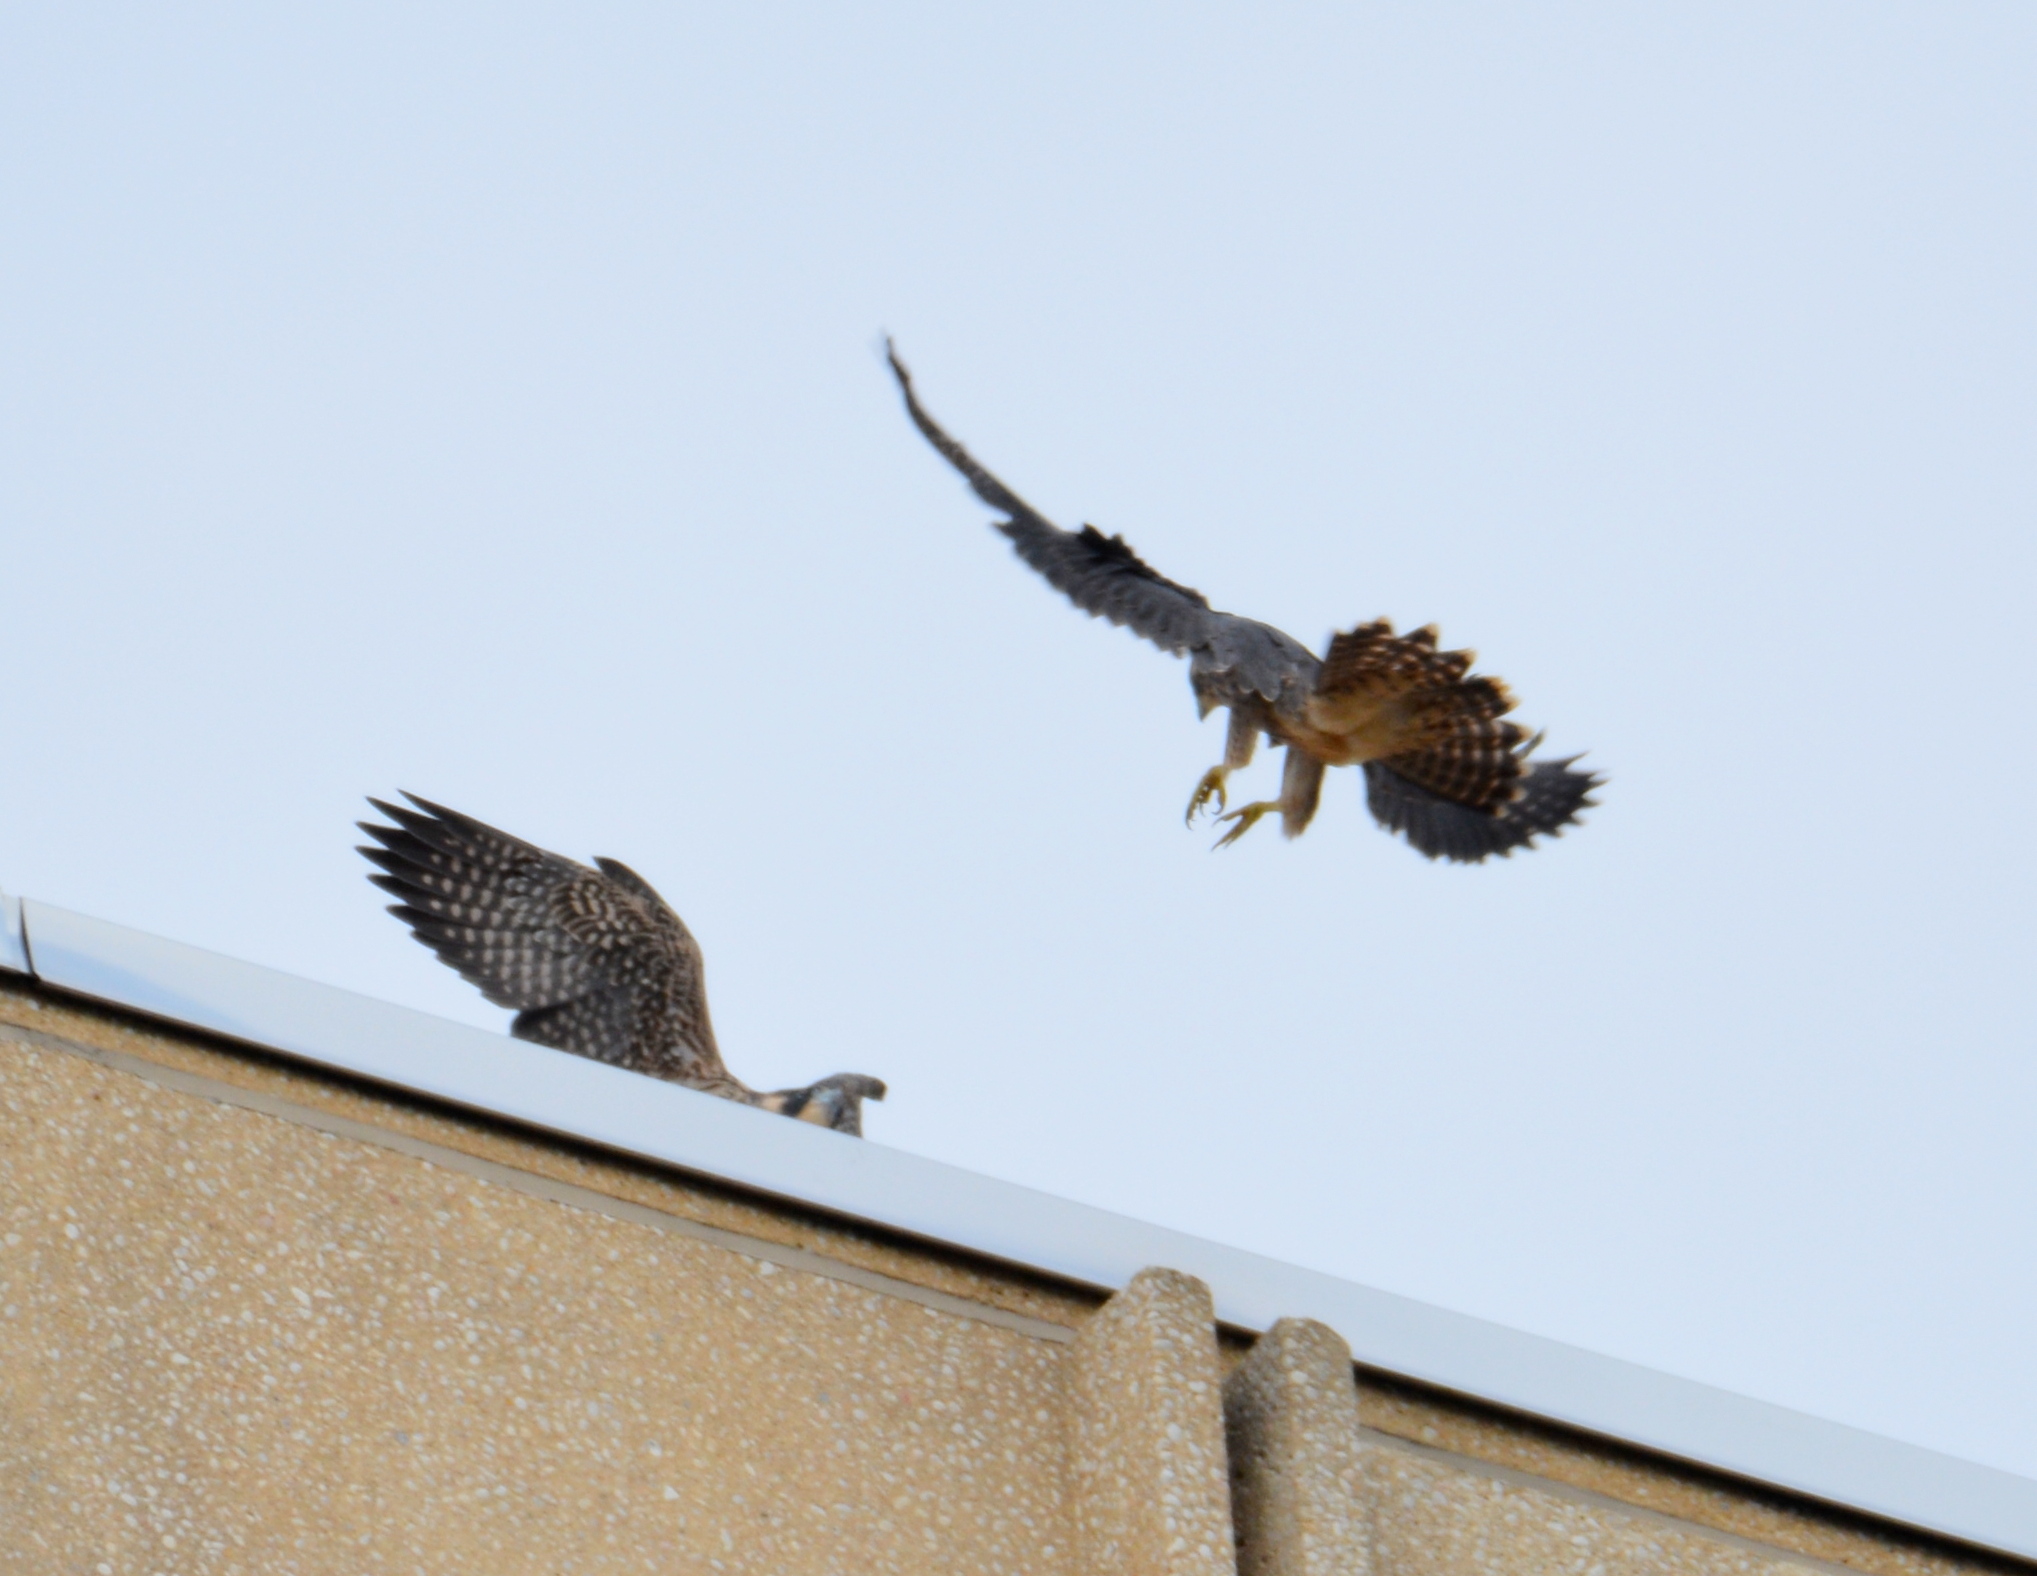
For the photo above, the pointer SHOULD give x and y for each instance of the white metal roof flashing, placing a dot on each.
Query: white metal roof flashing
(13, 948)
(887, 1187)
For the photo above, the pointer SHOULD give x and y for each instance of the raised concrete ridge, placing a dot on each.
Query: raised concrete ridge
(1150, 1490)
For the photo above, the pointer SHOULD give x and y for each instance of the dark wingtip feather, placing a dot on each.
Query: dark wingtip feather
(439, 812)
(414, 822)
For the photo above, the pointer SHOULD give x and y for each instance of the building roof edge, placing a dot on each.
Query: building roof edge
(618, 1110)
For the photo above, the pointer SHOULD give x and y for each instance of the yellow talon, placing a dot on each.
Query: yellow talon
(1211, 787)
(1247, 817)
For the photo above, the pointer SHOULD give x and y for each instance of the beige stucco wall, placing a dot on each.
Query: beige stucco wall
(231, 1344)
(417, 1341)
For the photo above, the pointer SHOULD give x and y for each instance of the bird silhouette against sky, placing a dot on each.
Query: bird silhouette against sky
(1443, 766)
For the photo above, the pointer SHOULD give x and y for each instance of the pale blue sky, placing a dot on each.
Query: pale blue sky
(485, 400)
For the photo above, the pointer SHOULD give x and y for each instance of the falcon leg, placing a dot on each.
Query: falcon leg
(1238, 744)
(1301, 786)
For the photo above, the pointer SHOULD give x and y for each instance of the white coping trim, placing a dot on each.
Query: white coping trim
(888, 1187)
(13, 948)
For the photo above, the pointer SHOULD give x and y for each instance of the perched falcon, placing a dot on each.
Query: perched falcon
(1442, 764)
(593, 960)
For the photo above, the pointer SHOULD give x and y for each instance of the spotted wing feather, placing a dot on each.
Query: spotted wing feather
(1372, 657)
(594, 960)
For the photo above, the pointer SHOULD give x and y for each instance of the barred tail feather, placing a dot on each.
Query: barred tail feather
(1551, 795)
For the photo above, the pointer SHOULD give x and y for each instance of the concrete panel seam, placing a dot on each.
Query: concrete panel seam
(1374, 1439)
(567, 1193)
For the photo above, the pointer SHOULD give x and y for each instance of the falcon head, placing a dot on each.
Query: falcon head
(835, 1102)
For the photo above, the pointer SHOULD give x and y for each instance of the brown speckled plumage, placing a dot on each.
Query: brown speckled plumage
(1442, 726)
(1442, 765)
(593, 960)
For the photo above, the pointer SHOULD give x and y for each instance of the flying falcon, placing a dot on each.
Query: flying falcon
(593, 960)
(1442, 764)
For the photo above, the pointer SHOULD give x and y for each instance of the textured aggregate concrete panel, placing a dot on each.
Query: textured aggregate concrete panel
(1297, 1479)
(228, 1344)
(1454, 1428)
(1152, 1496)
(696, 1198)
(1712, 1500)
(1432, 1518)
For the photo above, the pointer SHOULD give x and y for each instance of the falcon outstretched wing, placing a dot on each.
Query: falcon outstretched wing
(1099, 574)
(1549, 797)
(594, 960)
